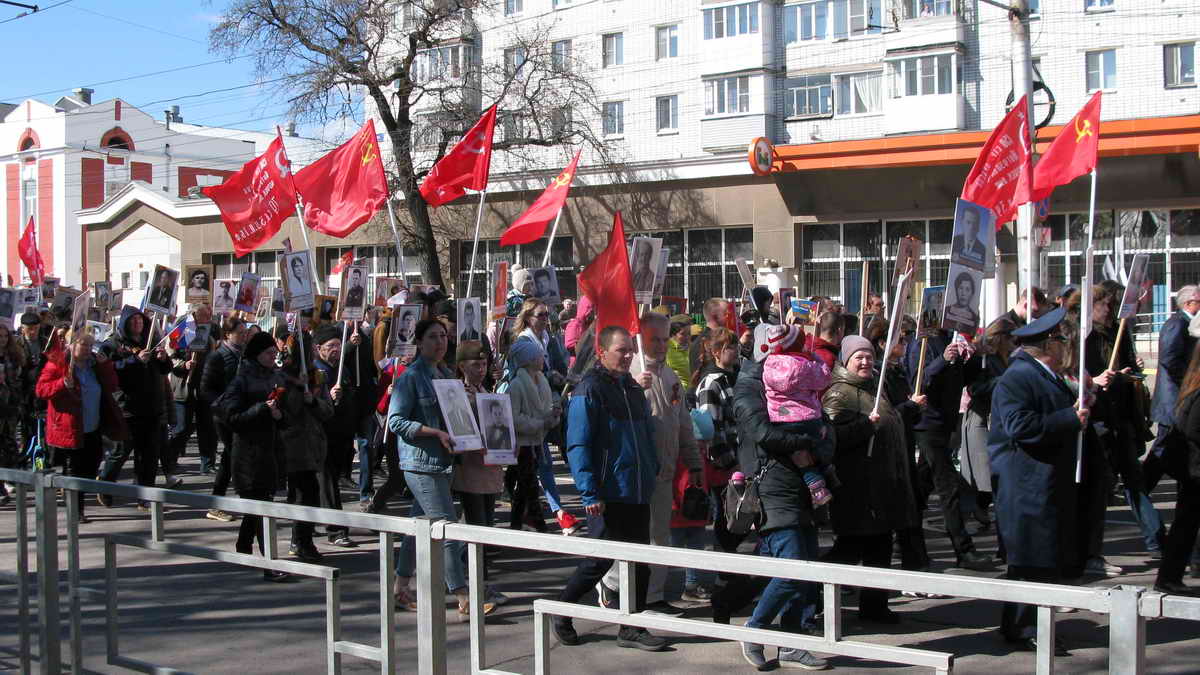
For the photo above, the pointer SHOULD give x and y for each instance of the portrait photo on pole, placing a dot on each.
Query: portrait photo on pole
(8, 307)
(63, 302)
(499, 432)
(643, 266)
(660, 278)
(402, 337)
(99, 330)
(385, 288)
(499, 287)
(974, 238)
(456, 411)
(960, 311)
(102, 296)
(225, 297)
(323, 310)
(247, 293)
(930, 321)
(49, 288)
(161, 296)
(278, 306)
(468, 320)
(674, 304)
(745, 273)
(1134, 289)
(352, 297)
(298, 291)
(29, 299)
(908, 252)
(545, 285)
(199, 343)
(199, 285)
(79, 311)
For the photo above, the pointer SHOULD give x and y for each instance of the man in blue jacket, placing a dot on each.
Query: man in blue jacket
(610, 447)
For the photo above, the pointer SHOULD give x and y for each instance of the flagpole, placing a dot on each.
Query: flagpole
(342, 352)
(475, 246)
(312, 262)
(399, 244)
(553, 231)
(1085, 310)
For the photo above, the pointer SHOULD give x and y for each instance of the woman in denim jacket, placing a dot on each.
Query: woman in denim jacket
(426, 459)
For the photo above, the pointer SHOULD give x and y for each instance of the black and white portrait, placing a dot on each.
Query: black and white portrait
(643, 266)
(352, 300)
(499, 432)
(29, 299)
(932, 300)
(908, 254)
(102, 295)
(297, 281)
(660, 279)
(324, 306)
(386, 287)
(161, 296)
(1133, 289)
(403, 330)
(224, 300)
(63, 302)
(973, 235)
(199, 284)
(961, 307)
(277, 304)
(456, 411)
(468, 320)
(49, 288)
(8, 306)
(545, 285)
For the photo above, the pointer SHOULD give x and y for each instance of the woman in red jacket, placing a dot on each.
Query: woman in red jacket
(78, 387)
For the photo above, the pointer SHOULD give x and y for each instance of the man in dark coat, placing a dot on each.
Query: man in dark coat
(1175, 347)
(339, 429)
(1031, 445)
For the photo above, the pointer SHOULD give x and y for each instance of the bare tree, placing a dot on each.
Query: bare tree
(415, 66)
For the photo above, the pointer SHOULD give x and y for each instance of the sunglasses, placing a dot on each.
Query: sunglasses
(542, 315)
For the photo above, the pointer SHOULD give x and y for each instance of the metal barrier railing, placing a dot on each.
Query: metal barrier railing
(1127, 606)
(22, 481)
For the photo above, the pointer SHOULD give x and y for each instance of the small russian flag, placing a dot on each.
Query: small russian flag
(183, 333)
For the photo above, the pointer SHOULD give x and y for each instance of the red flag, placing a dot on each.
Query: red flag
(28, 252)
(1072, 154)
(346, 259)
(608, 283)
(256, 200)
(466, 166)
(996, 180)
(531, 225)
(343, 189)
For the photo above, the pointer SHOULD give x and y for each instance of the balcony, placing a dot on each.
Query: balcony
(926, 23)
(732, 132)
(932, 112)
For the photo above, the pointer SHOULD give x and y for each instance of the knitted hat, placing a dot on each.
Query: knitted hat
(258, 344)
(470, 350)
(523, 351)
(520, 277)
(852, 344)
(326, 333)
(779, 338)
(761, 348)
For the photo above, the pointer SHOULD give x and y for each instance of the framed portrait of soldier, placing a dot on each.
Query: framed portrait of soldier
(402, 336)
(385, 288)
(352, 298)
(297, 279)
(499, 433)
(79, 311)
(974, 238)
(63, 303)
(224, 296)
(932, 300)
(8, 307)
(160, 299)
(198, 285)
(660, 277)
(545, 285)
(960, 309)
(643, 267)
(456, 411)
(28, 299)
(99, 330)
(102, 295)
(278, 307)
(200, 343)
(324, 307)
(247, 293)
(49, 288)
(469, 320)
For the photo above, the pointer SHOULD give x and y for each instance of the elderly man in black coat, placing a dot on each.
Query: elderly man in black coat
(1175, 347)
(1034, 429)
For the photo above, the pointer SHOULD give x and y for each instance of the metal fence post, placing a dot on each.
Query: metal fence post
(49, 640)
(387, 604)
(23, 576)
(1126, 631)
(431, 599)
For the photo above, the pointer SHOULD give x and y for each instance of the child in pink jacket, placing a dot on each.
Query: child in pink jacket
(794, 381)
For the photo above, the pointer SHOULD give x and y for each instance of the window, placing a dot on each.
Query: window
(1179, 64)
(920, 9)
(805, 22)
(124, 280)
(560, 56)
(439, 63)
(613, 48)
(513, 7)
(1035, 7)
(809, 95)
(857, 17)
(1097, 5)
(1102, 69)
(859, 93)
(29, 196)
(143, 279)
(614, 118)
(514, 60)
(666, 42)
(560, 3)
(515, 126)
(560, 122)
(727, 95)
(729, 21)
(922, 76)
(667, 113)
(115, 177)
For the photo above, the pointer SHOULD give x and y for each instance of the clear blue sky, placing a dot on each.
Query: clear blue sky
(93, 42)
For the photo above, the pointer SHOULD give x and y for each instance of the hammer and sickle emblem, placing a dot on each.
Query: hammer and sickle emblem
(281, 163)
(562, 180)
(368, 154)
(474, 144)
(1082, 128)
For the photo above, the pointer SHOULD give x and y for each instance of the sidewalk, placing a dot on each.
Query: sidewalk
(209, 617)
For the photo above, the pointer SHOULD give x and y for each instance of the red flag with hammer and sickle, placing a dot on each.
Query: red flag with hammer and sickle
(1072, 154)
(343, 189)
(531, 225)
(467, 165)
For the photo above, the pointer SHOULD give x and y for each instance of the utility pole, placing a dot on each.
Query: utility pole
(1022, 73)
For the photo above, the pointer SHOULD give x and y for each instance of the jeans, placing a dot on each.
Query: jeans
(1125, 463)
(432, 497)
(794, 602)
(695, 538)
(395, 480)
(620, 522)
(546, 476)
(949, 485)
(144, 444)
(366, 456)
(194, 415)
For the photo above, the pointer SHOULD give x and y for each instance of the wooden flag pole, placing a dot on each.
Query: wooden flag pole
(921, 365)
(475, 246)
(342, 352)
(1112, 358)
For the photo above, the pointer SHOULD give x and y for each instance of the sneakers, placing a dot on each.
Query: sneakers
(305, 553)
(696, 594)
(172, 482)
(974, 560)
(278, 577)
(343, 541)
(640, 638)
(568, 523)
(213, 514)
(1099, 565)
(800, 658)
(664, 608)
(754, 656)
